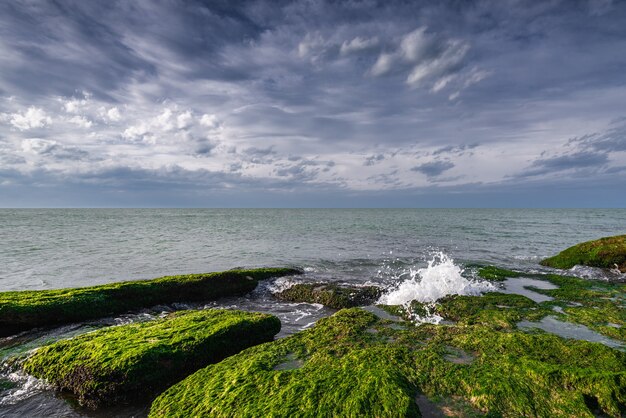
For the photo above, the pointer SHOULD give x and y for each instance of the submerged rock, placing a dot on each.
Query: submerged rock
(22, 310)
(331, 295)
(345, 369)
(609, 253)
(137, 361)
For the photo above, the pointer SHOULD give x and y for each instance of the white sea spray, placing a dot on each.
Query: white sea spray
(26, 386)
(429, 284)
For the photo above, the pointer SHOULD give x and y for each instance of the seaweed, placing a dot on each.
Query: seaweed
(497, 274)
(609, 252)
(136, 361)
(22, 310)
(331, 295)
(349, 370)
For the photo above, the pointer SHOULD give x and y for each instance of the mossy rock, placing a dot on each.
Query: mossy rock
(356, 364)
(496, 274)
(22, 310)
(136, 361)
(331, 295)
(609, 252)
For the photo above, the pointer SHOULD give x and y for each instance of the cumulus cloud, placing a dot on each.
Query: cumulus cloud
(113, 114)
(33, 117)
(81, 121)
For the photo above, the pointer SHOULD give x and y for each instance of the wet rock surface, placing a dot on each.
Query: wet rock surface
(331, 295)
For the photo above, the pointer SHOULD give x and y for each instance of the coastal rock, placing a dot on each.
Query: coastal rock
(23, 310)
(609, 253)
(355, 364)
(331, 295)
(136, 361)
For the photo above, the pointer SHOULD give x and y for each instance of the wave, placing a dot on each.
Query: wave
(427, 285)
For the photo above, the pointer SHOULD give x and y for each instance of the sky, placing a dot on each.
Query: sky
(310, 103)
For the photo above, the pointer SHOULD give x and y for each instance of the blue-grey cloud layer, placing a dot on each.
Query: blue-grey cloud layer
(312, 103)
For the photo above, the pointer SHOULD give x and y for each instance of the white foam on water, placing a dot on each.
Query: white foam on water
(440, 278)
(280, 284)
(26, 386)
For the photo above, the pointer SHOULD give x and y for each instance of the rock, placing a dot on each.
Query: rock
(609, 253)
(136, 361)
(331, 295)
(23, 310)
(346, 369)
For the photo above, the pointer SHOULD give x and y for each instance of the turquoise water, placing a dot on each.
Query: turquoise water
(51, 248)
(391, 248)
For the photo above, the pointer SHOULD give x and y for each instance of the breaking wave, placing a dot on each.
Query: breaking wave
(427, 285)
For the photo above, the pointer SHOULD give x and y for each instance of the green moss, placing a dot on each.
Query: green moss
(28, 309)
(606, 252)
(498, 310)
(129, 362)
(350, 370)
(331, 295)
(494, 273)
(605, 318)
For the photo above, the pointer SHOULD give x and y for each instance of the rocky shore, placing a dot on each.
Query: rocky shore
(557, 348)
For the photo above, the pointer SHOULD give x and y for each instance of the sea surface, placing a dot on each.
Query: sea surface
(411, 253)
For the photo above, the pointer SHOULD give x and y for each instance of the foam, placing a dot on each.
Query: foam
(427, 285)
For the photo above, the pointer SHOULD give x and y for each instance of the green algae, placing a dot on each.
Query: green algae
(496, 310)
(497, 274)
(331, 295)
(609, 252)
(21, 310)
(596, 304)
(137, 361)
(348, 370)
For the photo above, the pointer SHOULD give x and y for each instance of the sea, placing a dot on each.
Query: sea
(412, 254)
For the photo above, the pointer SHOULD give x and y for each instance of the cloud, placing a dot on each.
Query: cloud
(358, 44)
(269, 94)
(81, 121)
(373, 159)
(427, 57)
(113, 114)
(33, 117)
(433, 168)
(49, 148)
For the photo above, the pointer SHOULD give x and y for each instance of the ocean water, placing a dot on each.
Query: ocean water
(51, 248)
(420, 254)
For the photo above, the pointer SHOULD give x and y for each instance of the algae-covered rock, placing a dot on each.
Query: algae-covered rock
(137, 361)
(331, 295)
(496, 274)
(23, 310)
(609, 252)
(356, 364)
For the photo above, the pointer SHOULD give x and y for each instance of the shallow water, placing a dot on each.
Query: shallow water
(568, 330)
(412, 253)
(523, 286)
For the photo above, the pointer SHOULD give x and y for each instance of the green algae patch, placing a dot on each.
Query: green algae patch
(496, 274)
(22, 310)
(331, 295)
(609, 252)
(347, 369)
(496, 310)
(136, 361)
(599, 305)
